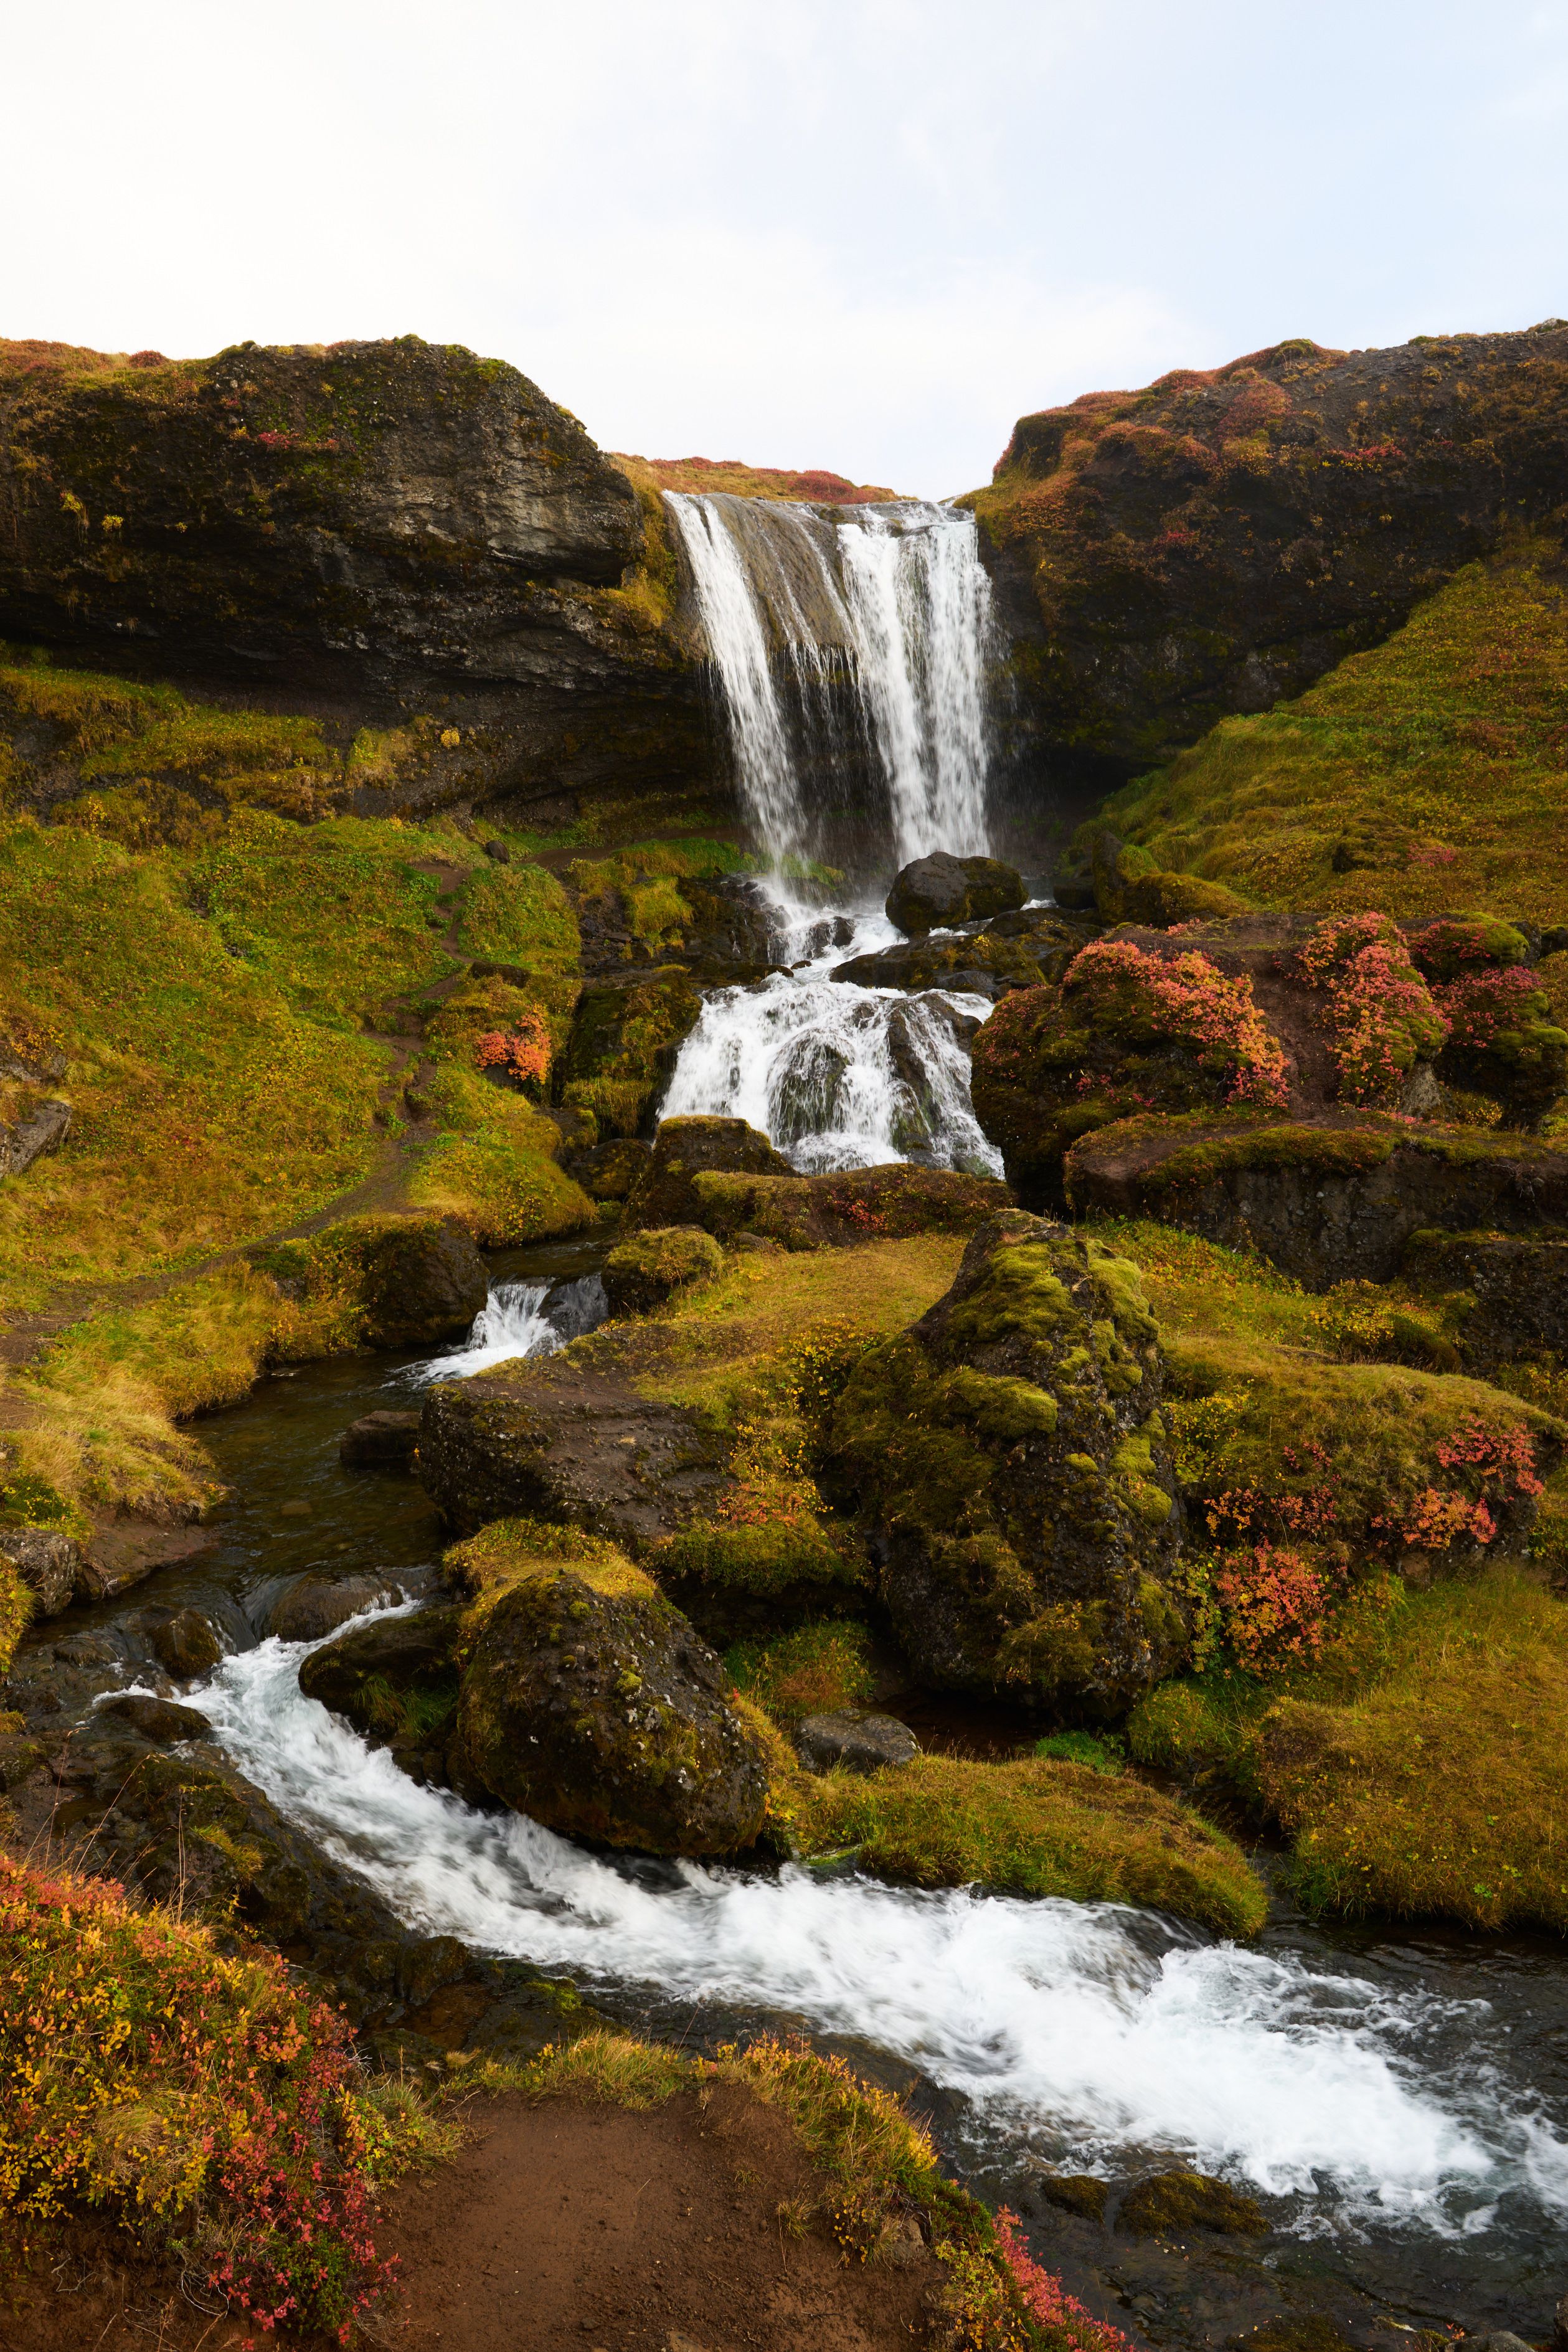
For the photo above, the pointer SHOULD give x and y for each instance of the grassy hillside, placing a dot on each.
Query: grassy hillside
(1428, 773)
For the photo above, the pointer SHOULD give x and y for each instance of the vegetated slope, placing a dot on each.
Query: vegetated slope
(703, 475)
(1428, 773)
(1169, 556)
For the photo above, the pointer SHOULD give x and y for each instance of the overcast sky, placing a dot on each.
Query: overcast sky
(860, 234)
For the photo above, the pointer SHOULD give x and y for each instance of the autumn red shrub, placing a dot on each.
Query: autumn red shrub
(1066, 2325)
(1275, 1605)
(1124, 988)
(1380, 1011)
(524, 1052)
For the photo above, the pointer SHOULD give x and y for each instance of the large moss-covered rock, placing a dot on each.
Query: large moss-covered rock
(413, 1280)
(590, 1703)
(664, 1192)
(941, 890)
(1327, 1200)
(1220, 538)
(563, 1438)
(1008, 1455)
(851, 1206)
(623, 1048)
(649, 1268)
(1010, 950)
(396, 1681)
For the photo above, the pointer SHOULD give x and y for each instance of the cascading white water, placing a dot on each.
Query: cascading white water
(1080, 2027)
(518, 1318)
(839, 1076)
(889, 603)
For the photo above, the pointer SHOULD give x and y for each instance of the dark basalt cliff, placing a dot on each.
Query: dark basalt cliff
(373, 529)
(1168, 557)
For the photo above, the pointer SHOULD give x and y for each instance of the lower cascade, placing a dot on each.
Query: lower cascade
(836, 1075)
(1090, 2028)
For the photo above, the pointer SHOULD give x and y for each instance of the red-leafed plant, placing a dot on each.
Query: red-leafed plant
(522, 1051)
(1380, 1011)
(1188, 1000)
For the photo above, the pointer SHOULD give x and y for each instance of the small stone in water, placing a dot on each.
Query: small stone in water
(293, 1510)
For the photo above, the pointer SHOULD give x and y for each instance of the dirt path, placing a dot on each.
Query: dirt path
(661, 2231)
(681, 2229)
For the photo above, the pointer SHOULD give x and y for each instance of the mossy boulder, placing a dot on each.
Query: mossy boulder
(558, 1438)
(1130, 886)
(1008, 1458)
(846, 1208)
(1138, 1023)
(1327, 1200)
(935, 891)
(664, 1192)
(397, 1682)
(608, 1171)
(648, 1269)
(623, 1047)
(1007, 952)
(1167, 2203)
(407, 1281)
(1506, 1039)
(590, 1704)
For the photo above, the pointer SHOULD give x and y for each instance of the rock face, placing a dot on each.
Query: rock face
(840, 1211)
(394, 520)
(47, 1563)
(664, 1192)
(590, 1704)
(623, 1047)
(1008, 1455)
(1222, 538)
(942, 889)
(652, 1267)
(1327, 1201)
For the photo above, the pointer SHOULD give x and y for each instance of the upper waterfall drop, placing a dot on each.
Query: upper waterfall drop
(872, 623)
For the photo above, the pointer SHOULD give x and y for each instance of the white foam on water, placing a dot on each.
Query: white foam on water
(510, 1323)
(836, 1075)
(1090, 2026)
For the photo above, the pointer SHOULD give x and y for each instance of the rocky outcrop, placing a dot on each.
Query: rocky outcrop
(1008, 1458)
(559, 1439)
(988, 958)
(623, 1047)
(590, 1704)
(43, 1128)
(842, 1210)
(664, 1192)
(395, 1680)
(1330, 1200)
(1223, 537)
(941, 890)
(47, 1564)
(650, 1268)
(422, 1281)
(396, 529)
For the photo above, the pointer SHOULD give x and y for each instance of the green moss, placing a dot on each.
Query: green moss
(1422, 774)
(518, 915)
(765, 1557)
(1036, 1827)
(624, 1045)
(493, 1164)
(1179, 2202)
(647, 1269)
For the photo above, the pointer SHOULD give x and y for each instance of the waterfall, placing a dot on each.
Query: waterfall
(858, 628)
(518, 1318)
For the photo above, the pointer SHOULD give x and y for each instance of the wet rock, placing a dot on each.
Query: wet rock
(43, 1128)
(1016, 951)
(650, 1268)
(380, 1441)
(159, 1720)
(1075, 2192)
(590, 1703)
(186, 1644)
(849, 1741)
(942, 890)
(422, 1280)
(1008, 1459)
(665, 1194)
(397, 1682)
(1175, 2201)
(125, 1551)
(46, 1562)
(317, 1605)
(555, 1439)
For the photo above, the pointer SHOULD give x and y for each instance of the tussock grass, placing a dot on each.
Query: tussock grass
(814, 1670)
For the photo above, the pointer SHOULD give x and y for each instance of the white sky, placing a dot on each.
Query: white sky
(864, 235)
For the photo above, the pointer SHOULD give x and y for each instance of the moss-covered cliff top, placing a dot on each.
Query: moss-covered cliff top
(814, 486)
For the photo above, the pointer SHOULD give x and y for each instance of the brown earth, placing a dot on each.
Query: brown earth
(559, 2223)
(658, 2231)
